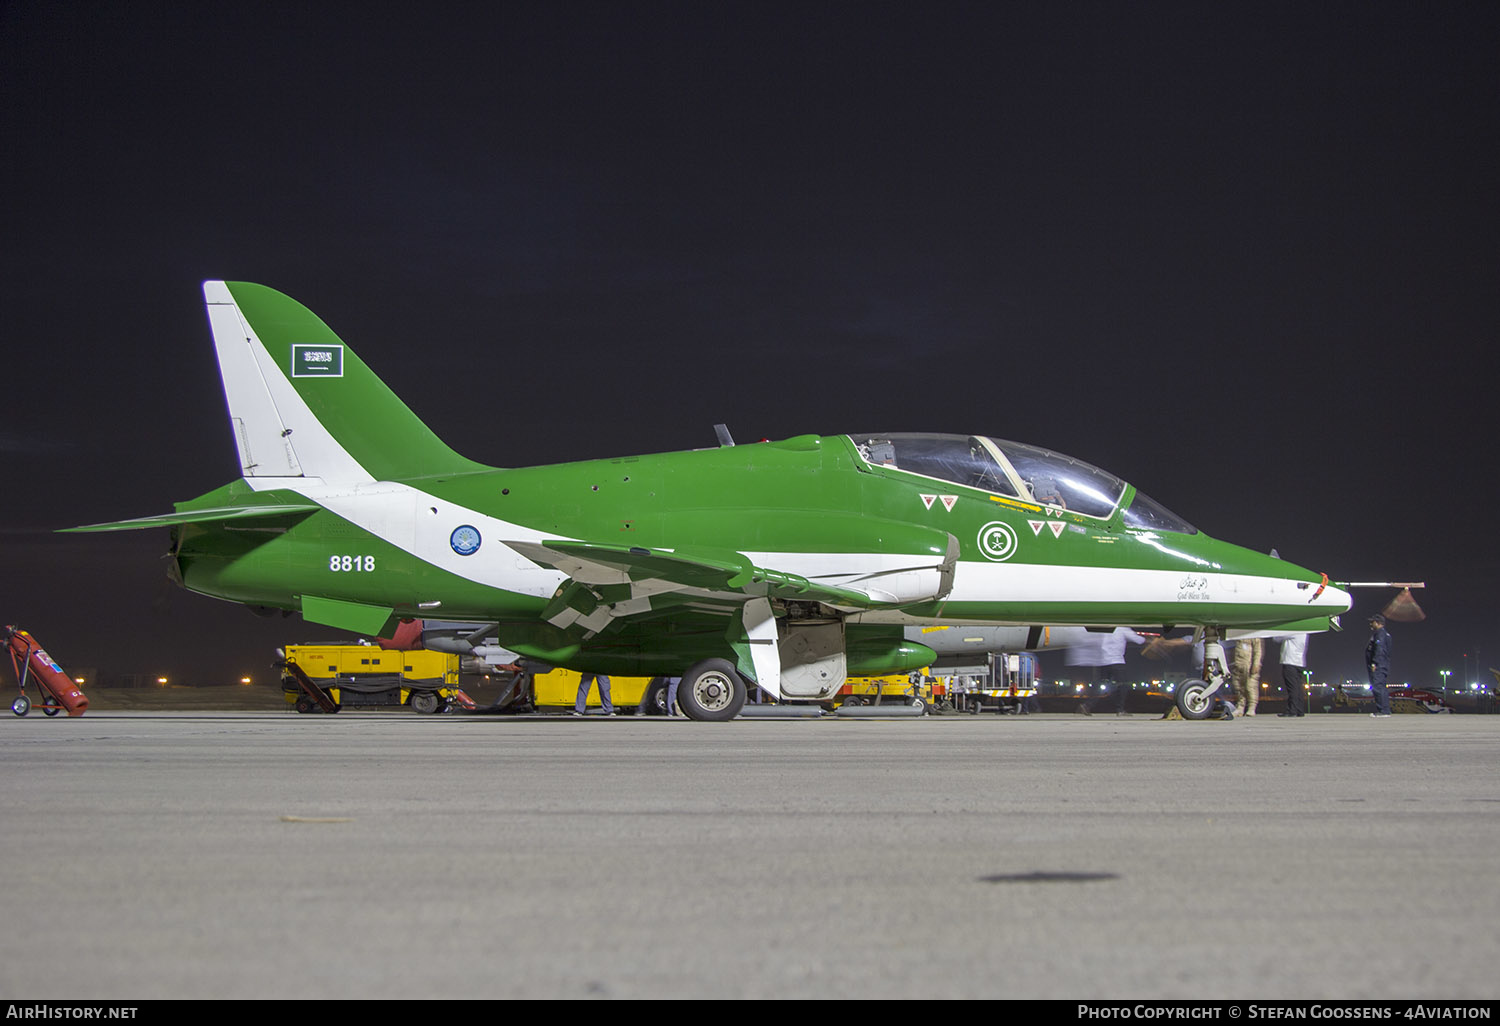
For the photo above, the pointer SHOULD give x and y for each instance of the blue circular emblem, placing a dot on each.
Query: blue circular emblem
(465, 540)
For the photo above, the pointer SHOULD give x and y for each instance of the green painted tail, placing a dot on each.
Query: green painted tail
(303, 405)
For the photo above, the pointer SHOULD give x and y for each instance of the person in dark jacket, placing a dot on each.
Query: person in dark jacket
(1378, 659)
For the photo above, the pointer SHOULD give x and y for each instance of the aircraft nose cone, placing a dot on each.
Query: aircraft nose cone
(1334, 600)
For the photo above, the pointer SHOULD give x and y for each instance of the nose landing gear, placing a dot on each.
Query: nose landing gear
(1196, 698)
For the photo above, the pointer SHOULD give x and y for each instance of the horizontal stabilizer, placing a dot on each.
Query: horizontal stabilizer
(201, 516)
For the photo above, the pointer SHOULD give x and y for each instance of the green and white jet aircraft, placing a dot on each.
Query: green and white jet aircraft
(787, 564)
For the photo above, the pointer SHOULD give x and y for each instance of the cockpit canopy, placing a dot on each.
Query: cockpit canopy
(1017, 470)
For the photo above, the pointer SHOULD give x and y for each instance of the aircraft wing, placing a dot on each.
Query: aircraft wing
(628, 576)
(611, 584)
(217, 514)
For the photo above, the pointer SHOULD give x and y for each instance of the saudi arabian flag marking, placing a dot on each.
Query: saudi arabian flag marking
(310, 361)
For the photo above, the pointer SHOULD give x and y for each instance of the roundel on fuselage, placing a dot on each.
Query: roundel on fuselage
(465, 540)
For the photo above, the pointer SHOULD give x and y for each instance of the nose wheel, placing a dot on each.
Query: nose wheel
(1196, 698)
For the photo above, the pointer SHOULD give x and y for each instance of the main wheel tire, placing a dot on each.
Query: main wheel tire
(1193, 700)
(712, 691)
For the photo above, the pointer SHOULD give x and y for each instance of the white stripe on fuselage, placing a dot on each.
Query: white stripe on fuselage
(420, 524)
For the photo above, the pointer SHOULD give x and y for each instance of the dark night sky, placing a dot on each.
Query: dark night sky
(1245, 256)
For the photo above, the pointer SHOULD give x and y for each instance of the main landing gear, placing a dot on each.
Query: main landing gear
(711, 690)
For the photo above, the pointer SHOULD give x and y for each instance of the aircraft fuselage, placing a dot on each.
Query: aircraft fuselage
(786, 563)
(810, 505)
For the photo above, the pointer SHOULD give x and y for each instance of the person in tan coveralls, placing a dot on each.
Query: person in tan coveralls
(1246, 675)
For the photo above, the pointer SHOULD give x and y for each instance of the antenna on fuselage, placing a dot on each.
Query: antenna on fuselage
(723, 432)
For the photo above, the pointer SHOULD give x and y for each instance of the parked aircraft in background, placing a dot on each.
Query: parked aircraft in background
(790, 564)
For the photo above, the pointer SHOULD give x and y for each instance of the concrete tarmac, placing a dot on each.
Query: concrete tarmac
(383, 854)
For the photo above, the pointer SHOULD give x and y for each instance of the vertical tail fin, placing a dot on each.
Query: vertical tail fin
(302, 404)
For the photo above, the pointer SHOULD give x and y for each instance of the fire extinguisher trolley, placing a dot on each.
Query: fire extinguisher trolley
(58, 692)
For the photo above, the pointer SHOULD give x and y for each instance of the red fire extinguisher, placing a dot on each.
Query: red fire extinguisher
(28, 659)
